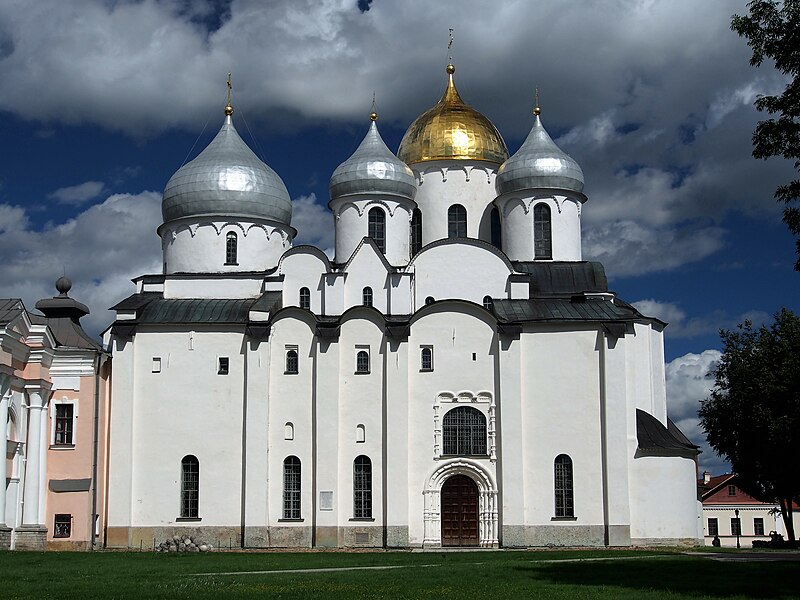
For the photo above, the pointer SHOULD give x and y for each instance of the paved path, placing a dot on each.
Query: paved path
(748, 556)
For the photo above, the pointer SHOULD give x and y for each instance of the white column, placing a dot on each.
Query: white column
(5, 385)
(33, 457)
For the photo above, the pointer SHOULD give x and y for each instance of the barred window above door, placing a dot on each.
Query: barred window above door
(464, 432)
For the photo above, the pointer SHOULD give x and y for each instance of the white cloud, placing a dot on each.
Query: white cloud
(100, 249)
(597, 132)
(78, 194)
(313, 221)
(689, 380)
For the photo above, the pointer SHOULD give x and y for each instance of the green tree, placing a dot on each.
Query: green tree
(752, 416)
(772, 30)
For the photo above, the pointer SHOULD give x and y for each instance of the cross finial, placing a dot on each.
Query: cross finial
(373, 116)
(536, 110)
(450, 46)
(228, 107)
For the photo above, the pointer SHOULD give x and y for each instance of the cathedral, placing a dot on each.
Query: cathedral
(456, 375)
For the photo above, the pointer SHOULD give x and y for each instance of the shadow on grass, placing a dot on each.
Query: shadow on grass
(681, 575)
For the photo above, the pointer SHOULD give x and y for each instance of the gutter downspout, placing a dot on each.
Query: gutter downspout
(95, 449)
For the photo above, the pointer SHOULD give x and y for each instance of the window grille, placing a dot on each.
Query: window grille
(190, 487)
(362, 488)
(464, 431)
(367, 296)
(291, 488)
(224, 365)
(457, 221)
(542, 240)
(758, 526)
(731, 490)
(713, 527)
(736, 526)
(362, 361)
(231, 243)
(487, 302)
(64, 414)
(426, 359)
(62, 526)
(496, 231)
(416, 231)
(563, 486)
(377, 227)
(305, 298)
(291, 362)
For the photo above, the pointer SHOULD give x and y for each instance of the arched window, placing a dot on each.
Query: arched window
(416, 231)
(305, 298)
(361, 434)
(190, 487)
(487, 302)
(496, 232)
(362, 361)
(230, 248)
(288, 431)
(426, 359)
(429, 300)
(366, 296)
(542, 240)
(377, 227)
(563, 486)
(291, 488)
(464, 431)
(456, 221)
(291, 361)
(362, 488)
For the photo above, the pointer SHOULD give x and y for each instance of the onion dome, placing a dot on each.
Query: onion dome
(539, 163)
(227, 179)
(373, 169)
(452, 130)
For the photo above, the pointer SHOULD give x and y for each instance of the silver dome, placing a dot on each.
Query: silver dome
(539, 163)
(373, 169)
(227, 179)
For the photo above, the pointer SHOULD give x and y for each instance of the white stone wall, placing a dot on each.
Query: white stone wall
(351, 219)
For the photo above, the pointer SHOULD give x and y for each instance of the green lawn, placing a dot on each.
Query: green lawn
(468, 575)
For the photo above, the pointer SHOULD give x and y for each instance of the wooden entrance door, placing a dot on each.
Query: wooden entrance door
(459, 512)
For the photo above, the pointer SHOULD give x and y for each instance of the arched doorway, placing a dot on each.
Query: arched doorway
(459, 512)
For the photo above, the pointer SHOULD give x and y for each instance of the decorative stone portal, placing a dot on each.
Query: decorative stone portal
(460, 506)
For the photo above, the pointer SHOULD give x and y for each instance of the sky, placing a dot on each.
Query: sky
(102, 100)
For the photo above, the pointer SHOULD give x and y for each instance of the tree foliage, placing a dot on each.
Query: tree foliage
(772, 30)
(752, 416)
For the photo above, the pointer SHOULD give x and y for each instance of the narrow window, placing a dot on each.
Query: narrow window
(362, 488)
(361, 434)
(426, 359)
(456, 221)
(416, 231)
(224, 365)
(429, 300)
(731, 490)
(563, 486)
(496, 232)
(288, 431)
(305, 298)
(377, 227)
(366, 296)
(736, 526)
(362, 361)
(713, 527)
(156, 364)
(464, 432)
(487, 302)
(190, 487)
(542, 242)
(231, 243)
(291, 362)
(291, 488)
(758, 526)
(62, 526)
(64, 413)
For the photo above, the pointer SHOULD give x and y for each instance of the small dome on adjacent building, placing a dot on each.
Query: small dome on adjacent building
(227, 179)
(373, 169)
(539, 163)
(452, 130)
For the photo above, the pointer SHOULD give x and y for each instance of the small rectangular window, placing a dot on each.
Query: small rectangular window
(64, 414)
(224, 365)
(731, 490)
(713, 527)
(292, 360)
(362, 360)
(426, 358)
(156, 364)
(62, 526)
(736, 526)
(758, 526)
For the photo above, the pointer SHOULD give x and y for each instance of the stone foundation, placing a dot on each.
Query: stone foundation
(5, 538)
(681, 542)
(397, 536)
(30, 537)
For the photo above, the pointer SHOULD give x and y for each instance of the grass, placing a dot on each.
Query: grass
(470, 575)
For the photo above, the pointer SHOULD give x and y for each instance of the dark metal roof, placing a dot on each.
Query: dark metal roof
(136, 301)
(563, 309)
(71, 334)
(564, 278)
(150, 307)
(10, 308)
(656, 440)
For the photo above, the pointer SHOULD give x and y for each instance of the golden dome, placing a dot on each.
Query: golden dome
(452, 130)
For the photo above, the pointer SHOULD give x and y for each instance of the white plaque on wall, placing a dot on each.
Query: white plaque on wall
(326, 500)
